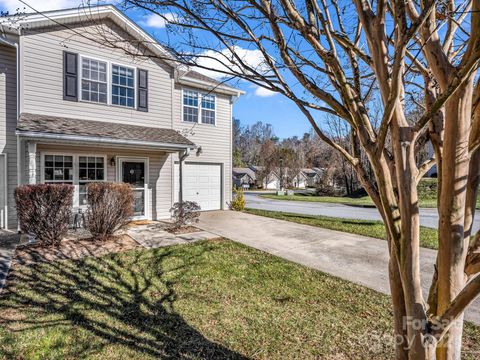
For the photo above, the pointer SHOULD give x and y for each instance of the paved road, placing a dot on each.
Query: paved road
(355, 258)
(428, 217)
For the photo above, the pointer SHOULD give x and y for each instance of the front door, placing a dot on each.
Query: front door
(134, 172)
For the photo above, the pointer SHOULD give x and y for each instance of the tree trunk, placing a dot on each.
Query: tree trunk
(453, 245)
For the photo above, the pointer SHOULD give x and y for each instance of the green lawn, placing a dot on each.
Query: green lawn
(426, 190)
(374, 229)
(207, 300)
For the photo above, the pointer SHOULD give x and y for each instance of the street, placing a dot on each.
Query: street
(428, 217)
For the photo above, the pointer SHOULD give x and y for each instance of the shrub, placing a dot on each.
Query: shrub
(44, 211)
(238, 201)
(185, 213)
(110, 207)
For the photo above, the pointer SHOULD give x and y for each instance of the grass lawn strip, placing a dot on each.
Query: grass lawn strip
(375, 229)
(210, 299)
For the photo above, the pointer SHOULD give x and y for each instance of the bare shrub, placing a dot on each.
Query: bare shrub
(185, 213)
(110, 207)
(44, 211)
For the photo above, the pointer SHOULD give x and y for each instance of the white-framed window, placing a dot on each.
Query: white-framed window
(94, 80)
(75, 169)
(199, 107)
(208, 109)
(58, 169)
(90, 169)
(123, 86)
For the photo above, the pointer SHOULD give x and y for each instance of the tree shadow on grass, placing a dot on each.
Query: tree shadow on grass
(125, 301)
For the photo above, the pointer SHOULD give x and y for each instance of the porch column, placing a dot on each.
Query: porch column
(32, 162)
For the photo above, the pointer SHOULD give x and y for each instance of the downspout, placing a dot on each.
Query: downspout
(182, 156)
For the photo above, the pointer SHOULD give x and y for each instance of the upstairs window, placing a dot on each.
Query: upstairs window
(198, 107)
(190, 106)
(208, 109)
(94, 81)
(123, 86)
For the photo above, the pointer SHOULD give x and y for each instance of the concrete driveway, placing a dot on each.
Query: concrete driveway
(428, 217)
(359, 259)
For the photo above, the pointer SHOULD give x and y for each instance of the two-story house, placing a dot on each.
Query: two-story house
(75, 111)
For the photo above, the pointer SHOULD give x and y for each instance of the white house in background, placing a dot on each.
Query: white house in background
(300, 181)
(270, 181)
(72, 111)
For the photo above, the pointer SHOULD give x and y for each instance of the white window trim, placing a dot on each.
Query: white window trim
(75, 169)
(80, 72)
(109, 81)
(135, 85)
(199, 120)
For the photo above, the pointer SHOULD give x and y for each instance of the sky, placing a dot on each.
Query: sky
(257, 104)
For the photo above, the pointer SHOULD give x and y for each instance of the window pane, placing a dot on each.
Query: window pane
(94, 80)
(208, 117)
(49, 160)
(48, 173)
(82, 174)
(99, 162)
(82, 161)
(91, 174)
(58, 161)
(100, 174)
(58, 174)
(91, 162)
(190, 114)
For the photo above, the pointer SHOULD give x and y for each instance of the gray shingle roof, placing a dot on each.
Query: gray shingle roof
(34, 123)
(242, 171)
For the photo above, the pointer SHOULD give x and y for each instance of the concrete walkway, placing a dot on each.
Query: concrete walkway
(359, 259)
(151, 236)
(8, 244)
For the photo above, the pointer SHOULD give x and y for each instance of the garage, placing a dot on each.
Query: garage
(202, 184)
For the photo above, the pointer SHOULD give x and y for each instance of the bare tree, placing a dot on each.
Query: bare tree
(327, 56)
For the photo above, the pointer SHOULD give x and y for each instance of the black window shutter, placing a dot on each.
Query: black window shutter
(70, 76)
(142, 91)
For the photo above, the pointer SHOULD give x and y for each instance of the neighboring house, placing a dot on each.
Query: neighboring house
(299, 181)
(243, 178)
(270, 181)
(313, 178)
(73, 111)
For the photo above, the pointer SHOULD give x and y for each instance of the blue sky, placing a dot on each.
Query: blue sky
(256, 105)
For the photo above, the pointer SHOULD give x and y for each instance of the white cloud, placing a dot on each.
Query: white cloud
(157, 21)
(262, 92)
(13, 5)
(225, 61)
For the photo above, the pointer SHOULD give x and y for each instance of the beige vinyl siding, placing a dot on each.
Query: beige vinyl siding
(8, 123)
(159, 171)
(215, 140)
(42, 78)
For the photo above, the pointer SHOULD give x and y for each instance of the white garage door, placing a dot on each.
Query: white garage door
(202, 184)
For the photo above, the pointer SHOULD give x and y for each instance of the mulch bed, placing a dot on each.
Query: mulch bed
(72, 247)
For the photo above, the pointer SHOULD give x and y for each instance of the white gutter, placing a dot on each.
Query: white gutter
(102, 140)
(209, 86)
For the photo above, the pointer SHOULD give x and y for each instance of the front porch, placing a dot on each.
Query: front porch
(57, 157)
